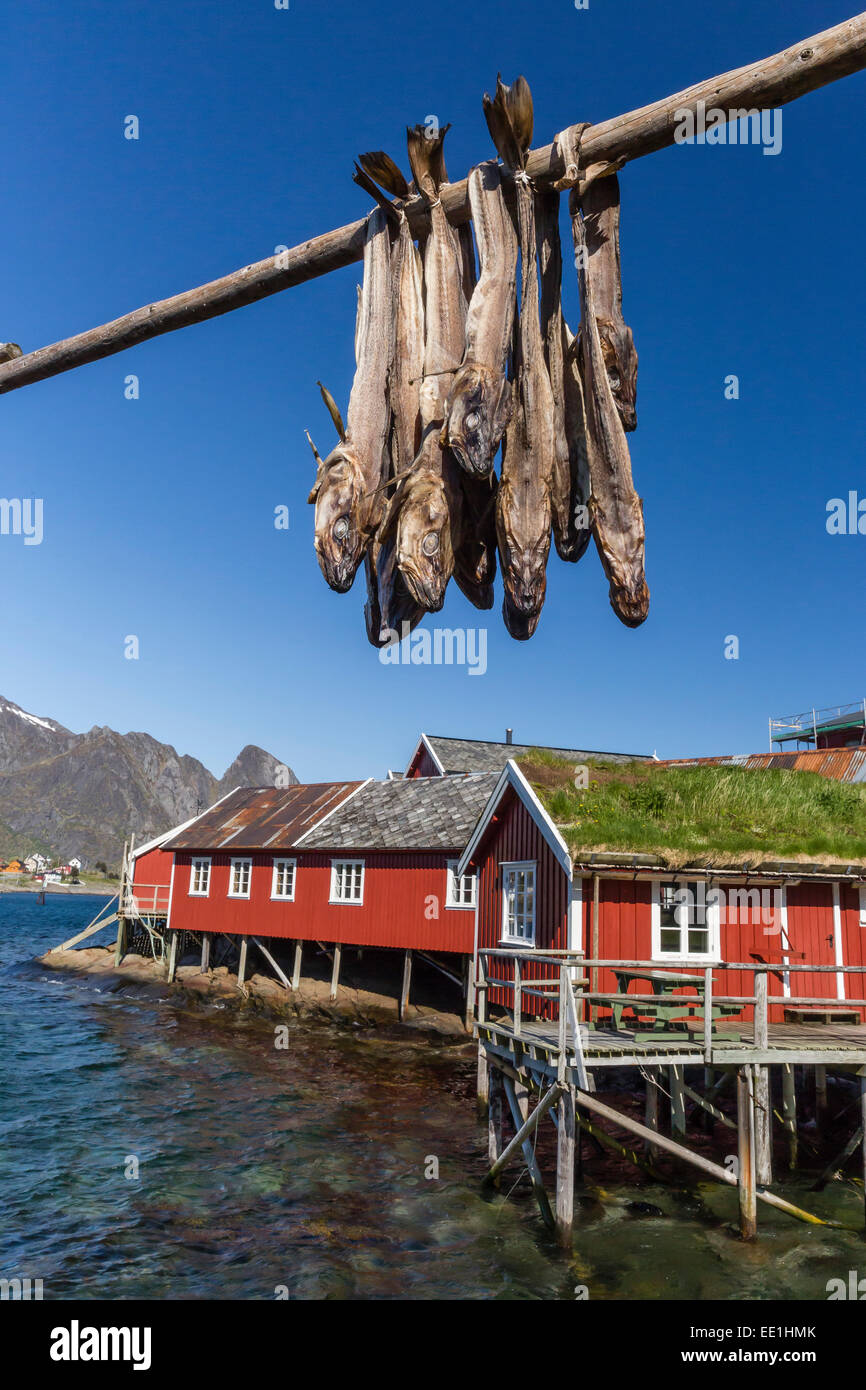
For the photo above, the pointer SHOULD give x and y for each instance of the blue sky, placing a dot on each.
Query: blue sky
(158, 513)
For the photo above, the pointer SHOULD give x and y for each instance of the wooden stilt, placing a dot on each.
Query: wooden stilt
(820, 1094)
(120, 944)
(335, 973)
(708, 1086)
(482, 1088)
(789, 1111)
(746, 1155)
(407, 982)
(172, 958)
(469, 1014)
(863, 1141)
(242, 962)
(549, 1098)
(678, 1104)
(528, 1152)
(296, 970)
(494, 1116)
(205, 952)
(763, 1127)
(565, 1167)
(651, 1104)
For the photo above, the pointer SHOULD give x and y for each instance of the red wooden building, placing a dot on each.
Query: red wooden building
(534, 894)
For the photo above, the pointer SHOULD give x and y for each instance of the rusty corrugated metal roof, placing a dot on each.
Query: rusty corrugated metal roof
(263, 817)
(840, 764)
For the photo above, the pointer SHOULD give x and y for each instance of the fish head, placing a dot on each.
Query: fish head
(520, 626)
(424, 550)
(340, 540)
(479, 409)
(523, 555)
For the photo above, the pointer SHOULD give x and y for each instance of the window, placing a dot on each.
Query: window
(686, 920)
(199, 878)
(239, 878)
(518, 902)
(461, 891)
(347, 880)
(283, 882)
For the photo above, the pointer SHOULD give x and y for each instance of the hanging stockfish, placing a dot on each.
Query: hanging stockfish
(523, 511)
(480, 403)
(347, 491)
(600, 204)
(569, 493)
(616, 511)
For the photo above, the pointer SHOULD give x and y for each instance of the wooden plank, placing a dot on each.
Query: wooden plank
(528, 1153)
(541, 1109)
(269, 958)
(96, 925)
(770, 82)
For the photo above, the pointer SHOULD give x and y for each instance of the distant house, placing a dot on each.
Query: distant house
(35, 863)
(14, 867)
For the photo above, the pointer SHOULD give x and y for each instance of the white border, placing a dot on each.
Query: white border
(346, 902)
(512, 776)
(504, 936)
(837, 942)
(470, 873)
(283, 897)
(199, 859)
(711, 957)
(240, 859)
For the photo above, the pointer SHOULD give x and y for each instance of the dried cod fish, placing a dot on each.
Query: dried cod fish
(569, 493)
(616, 511)
(600, 204)
(481, 401)
(347, 491)
(523, 510)
(427, 502)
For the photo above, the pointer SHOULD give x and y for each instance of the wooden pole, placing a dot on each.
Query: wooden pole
(528, 1153)
(770, 82)
(494, 1121)
(678, 1104)
(296, 969)
(593, 974)
(746, 1155)
(763, 1108)
(549, 1098)
(120, 944)
(335, 973)
(789, 1111)
(407, 982)
(651, 1104)
(172, 958)
(565, 1167)
(482, 1085)
(205, 952)
(469, 1011)
(242, 963)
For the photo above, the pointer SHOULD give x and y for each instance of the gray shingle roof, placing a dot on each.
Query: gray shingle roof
(418, 813)
(477, 755)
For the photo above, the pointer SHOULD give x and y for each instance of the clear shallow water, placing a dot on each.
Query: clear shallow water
(304, 1168)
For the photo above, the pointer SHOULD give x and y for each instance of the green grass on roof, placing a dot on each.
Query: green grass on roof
(716, 814)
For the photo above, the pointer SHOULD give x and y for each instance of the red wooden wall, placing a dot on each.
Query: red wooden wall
(397, 909)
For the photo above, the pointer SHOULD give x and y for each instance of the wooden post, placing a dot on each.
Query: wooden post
(482, 1088)
(494, 1114)
(763, 1109)
(120, 945)
(651, 1103)
(746, 1155)
(407, 982)
(242, 962)
(677, 1102)
(708, 1086)
(518, 997)
(863, 1140)
(519, 1119)
(820, 1095)
(296, 970)
(172, 958)
(565, 1167)
(335, 973)
(205, 952)
(592, 1008)
(469, 1013)
(789, 1111)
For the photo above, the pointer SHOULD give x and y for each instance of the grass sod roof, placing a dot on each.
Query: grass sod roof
(720, 816)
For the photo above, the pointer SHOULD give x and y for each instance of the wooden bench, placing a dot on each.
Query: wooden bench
(818, 1013)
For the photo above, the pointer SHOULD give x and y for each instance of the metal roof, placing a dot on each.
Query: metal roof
(263, 818)
(479, 755)
(420, 813)
(840, 764)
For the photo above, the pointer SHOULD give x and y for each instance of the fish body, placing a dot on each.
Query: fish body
(407, 368)
(480, 401)
(347, 491)
(601, 209)
(475, 556)
(616, 511)
(570, 487)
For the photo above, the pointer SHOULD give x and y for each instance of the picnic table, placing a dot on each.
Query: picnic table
(667, 1007)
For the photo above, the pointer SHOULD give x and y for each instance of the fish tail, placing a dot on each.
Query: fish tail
(427, 158)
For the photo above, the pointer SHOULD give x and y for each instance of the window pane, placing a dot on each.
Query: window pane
(670, 940)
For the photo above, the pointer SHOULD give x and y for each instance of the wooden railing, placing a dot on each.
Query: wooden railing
(564, 988)
(146, 900)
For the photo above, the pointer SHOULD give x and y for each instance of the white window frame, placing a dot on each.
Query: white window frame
(713, 954)
(240, 859)
(199, 892)
(336, 866)
(862, 918)
(283, 897)
(470, 879)
(514, 866)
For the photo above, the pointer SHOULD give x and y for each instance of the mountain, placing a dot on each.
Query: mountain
(82, 794)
